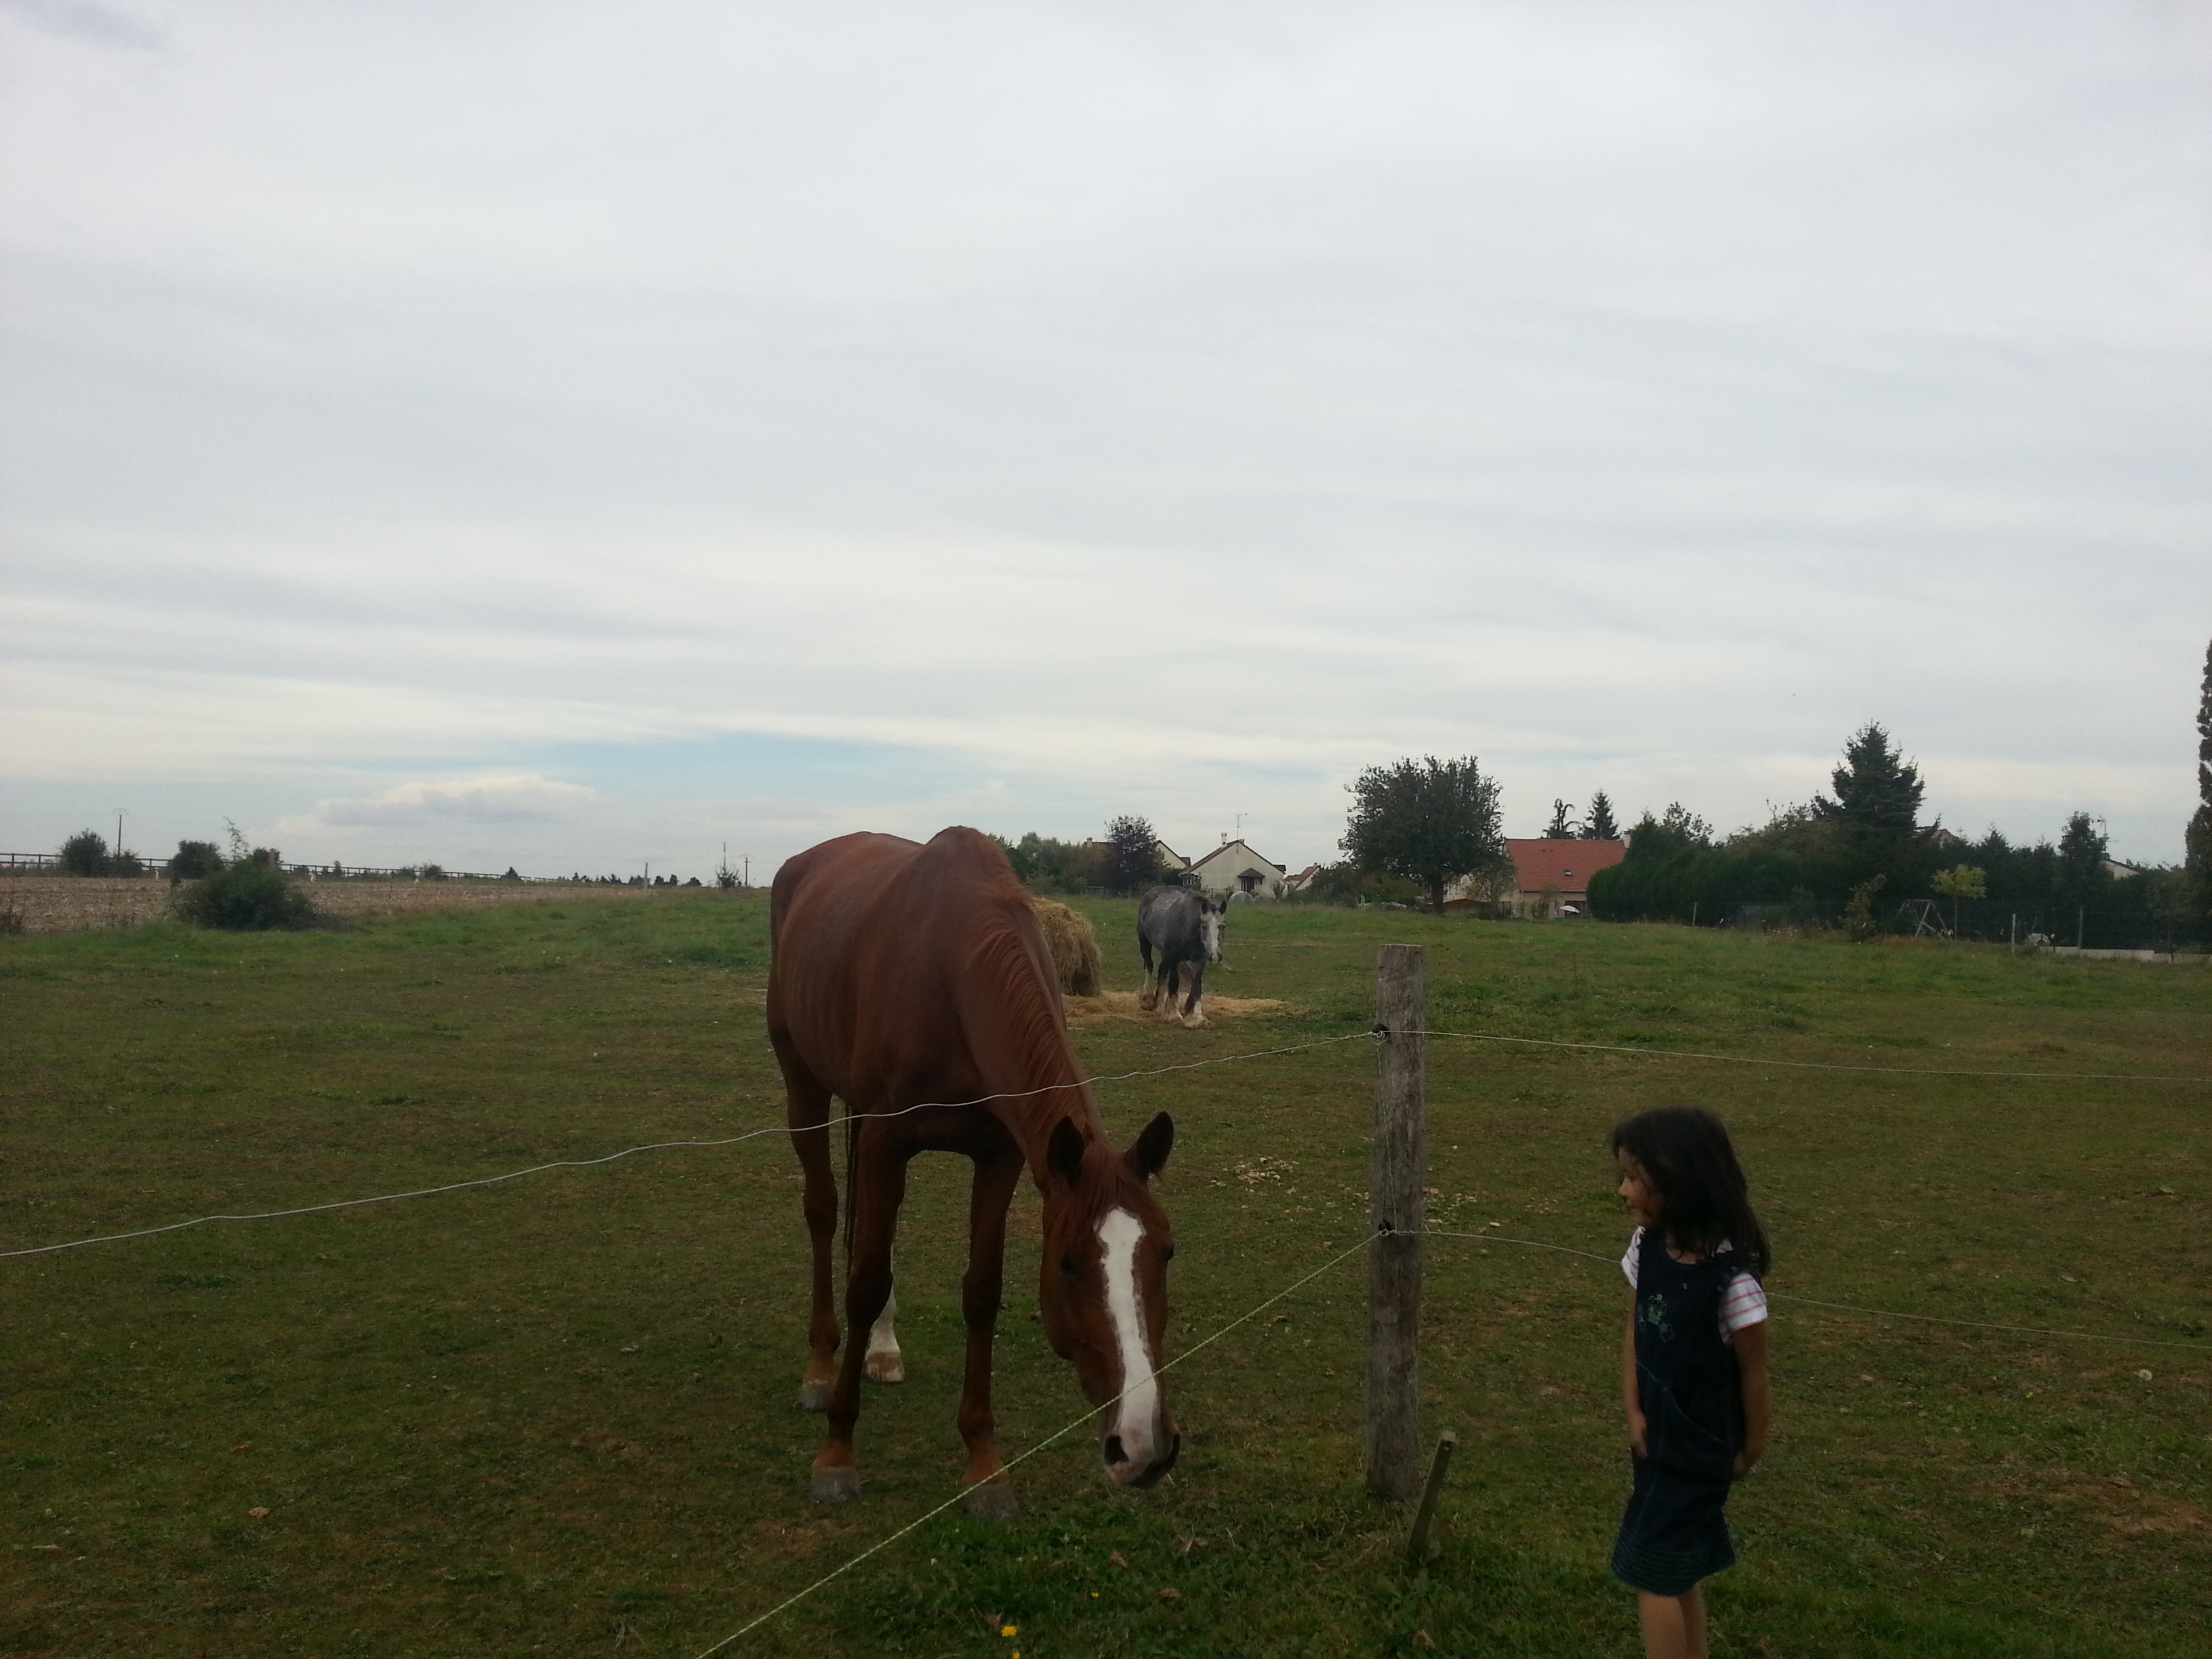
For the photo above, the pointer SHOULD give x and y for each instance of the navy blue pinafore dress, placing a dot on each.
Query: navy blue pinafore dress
(1674, 1534)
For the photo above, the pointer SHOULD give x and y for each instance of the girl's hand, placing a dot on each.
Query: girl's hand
(1744, 1461)
(1636, 1437)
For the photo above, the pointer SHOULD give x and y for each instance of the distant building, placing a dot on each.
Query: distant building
(1550, 877)
(1233, 867)
(1304, 878)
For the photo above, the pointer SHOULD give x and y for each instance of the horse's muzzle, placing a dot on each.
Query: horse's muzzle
(1128, 1473)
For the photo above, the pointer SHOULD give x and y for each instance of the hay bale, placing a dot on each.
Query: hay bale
(1074, 947)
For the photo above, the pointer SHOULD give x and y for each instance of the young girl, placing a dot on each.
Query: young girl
(1692, 1364)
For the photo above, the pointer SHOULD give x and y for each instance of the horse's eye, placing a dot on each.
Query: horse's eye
(1067, 1266)
(1167, 1256)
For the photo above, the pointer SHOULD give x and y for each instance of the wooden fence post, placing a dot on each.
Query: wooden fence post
(1396, 1175)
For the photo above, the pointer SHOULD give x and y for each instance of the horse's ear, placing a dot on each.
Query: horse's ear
(1065, 1151)
(1148, 1155)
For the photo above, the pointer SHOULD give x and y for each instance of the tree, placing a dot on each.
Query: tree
(2082, 878)
(1877, 790)
(1130, 860)
(2198, 840)
(1429, 822)
(1960, 881)
(1561, 828)
(85, 854)
(1599, 826)
(195, 858)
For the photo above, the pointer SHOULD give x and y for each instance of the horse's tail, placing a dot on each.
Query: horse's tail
(852, 1184)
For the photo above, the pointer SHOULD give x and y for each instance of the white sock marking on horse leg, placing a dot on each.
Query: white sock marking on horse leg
(1137, 1415)
(884, 1363)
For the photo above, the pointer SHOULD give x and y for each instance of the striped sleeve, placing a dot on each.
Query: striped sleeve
(1745, 1303)
(1628, 1261)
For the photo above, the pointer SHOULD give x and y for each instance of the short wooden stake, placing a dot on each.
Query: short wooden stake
(1396, 1173)
(1416, 1546)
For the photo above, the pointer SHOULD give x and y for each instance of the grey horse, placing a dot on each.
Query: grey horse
(1186, 928)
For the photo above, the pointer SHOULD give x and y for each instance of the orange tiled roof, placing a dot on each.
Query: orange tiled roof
(1566, 865)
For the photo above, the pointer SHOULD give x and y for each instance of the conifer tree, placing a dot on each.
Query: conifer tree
(1877, 790)
(1599, 825)
(2199, 838)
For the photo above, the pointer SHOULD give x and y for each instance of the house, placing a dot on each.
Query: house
(1233, 867)
(1304, 878)
(1550, 877)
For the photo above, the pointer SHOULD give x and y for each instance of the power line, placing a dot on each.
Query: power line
(1066, 1429)
(1811, 1064)
(1846, 1307)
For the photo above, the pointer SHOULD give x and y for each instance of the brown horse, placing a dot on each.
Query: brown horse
(904, 976)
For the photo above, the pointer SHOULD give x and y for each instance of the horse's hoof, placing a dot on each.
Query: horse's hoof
(814, 1394)
(991, 1501)
(1192, 1021)
(887, 1367)
(836, 1483)
(1147, 1001)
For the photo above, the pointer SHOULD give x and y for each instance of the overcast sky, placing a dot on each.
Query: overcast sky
(572, 435)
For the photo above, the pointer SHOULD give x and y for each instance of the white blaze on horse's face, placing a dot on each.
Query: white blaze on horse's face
(1138, 1431)
(1210, 923)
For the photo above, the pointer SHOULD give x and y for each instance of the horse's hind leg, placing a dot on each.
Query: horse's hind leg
(1193, 1012)
(807, 1106)
(1149, 997)
(879, 1185)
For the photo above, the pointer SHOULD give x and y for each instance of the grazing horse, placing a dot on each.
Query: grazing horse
(911, 981)
(1186, 929)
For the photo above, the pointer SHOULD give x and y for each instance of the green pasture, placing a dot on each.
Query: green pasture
(556, 1415)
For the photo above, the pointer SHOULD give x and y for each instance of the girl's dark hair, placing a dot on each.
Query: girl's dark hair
(1685, 1153)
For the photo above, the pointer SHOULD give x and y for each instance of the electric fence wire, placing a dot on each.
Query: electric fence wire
(1846, 1307)
(1811, 1064)
(1057, 1434)
(669, 1145)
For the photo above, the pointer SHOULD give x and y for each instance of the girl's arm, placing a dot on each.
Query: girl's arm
(1750, 1345)
(1632, 1396)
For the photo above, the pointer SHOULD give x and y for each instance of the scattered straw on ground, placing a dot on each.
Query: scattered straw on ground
(1119, 1007)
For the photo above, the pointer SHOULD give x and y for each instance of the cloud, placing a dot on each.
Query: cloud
(463, 804)
(1107, 409)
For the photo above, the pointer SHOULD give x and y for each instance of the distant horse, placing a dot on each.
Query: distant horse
(1187, 930)
(913, 980)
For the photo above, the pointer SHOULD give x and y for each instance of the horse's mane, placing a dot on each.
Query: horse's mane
(1003, 977)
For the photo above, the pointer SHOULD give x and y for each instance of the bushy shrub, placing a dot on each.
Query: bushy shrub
(248, 894)
(195, 858)
(85, 854)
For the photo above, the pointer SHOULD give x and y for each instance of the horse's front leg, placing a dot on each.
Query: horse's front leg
(1193, 1012)
(990, 1497)
(878, 1186)
(1170, 985)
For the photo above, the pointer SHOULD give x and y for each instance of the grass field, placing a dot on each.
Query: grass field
(556, 1415)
